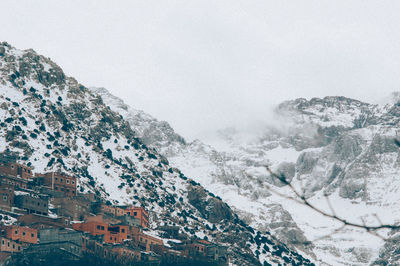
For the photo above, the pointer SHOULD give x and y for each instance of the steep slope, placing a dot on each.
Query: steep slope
(52, 122)
(333, 146)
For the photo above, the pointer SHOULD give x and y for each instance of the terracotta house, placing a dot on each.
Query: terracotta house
(22, 234)
(58, 182)
(16, 170)
(7, 245)
(126, 215)
(138, 213)
(97, 226)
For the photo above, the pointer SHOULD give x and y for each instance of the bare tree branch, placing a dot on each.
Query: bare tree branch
(300, 198)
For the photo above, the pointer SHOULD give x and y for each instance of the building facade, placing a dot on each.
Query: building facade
(139, 213)
(97, 226)
(16, 170)
(76, 208)
(22, 234)
(52, 235)
(8, 245)
(58, 182)
(32, 203)
(6, 196)
(15, 182)
(40, 221)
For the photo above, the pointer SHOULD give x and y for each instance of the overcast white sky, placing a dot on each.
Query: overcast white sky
(203, 65)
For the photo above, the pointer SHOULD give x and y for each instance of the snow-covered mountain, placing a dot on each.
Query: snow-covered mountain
(335, 146)
(51, 122)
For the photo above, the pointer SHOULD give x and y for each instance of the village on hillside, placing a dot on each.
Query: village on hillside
(43, 214)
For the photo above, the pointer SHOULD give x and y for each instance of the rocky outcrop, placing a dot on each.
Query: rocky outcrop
(213, 209)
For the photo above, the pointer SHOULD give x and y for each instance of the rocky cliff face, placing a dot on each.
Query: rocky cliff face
(51, 122)
(334, 146)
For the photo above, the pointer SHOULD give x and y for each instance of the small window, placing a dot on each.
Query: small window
(62, 189)
(73, 182)
(8, 244)
(13, 246)
(102, 228)
(61, 180)
(23, 233)
(135, 213)
(12, 166)
(16, 232)
(56, 178)
(123, 230)
(2, 242)
(67, 181)
(98, 227)
(32, 235)
(56, 188)
(19, 247)
(5, 197)
(110, 237)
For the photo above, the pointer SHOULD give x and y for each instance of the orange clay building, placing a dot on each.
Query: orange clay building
(22, 234)
(136, 212)
(16, 170)
(7, 245)
(58, 182)
(97, 226)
